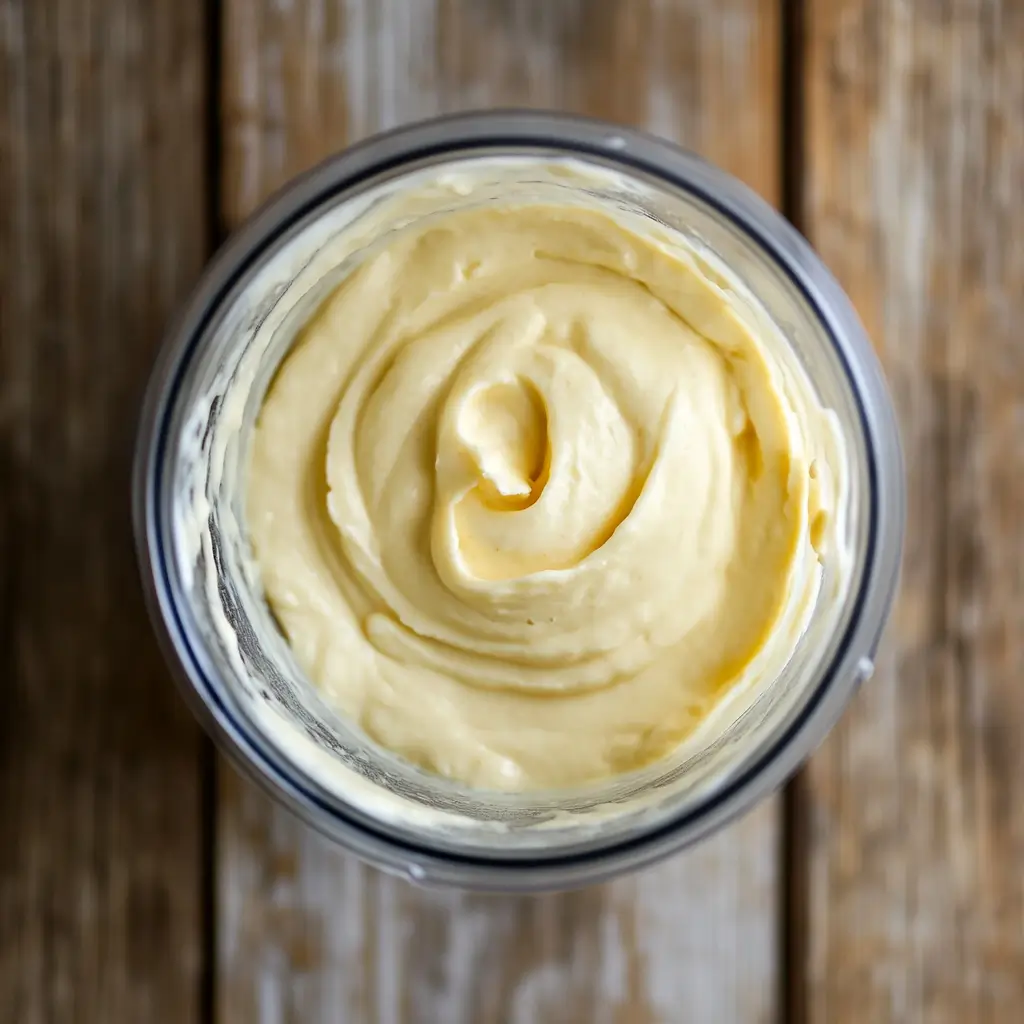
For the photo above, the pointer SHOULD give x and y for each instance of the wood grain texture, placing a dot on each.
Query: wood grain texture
(915, 807)
(308, 934)
(102, 230)
(305, 933)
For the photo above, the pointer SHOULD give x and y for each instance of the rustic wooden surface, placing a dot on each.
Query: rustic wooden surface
(102, 232)
(913, 818)
(893, 888)
(306, 934)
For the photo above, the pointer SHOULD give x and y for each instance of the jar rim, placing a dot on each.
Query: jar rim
(505, 133)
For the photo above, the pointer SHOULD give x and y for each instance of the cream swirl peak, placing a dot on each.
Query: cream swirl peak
(531, 495)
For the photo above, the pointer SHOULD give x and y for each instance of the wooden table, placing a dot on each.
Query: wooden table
(141, 880)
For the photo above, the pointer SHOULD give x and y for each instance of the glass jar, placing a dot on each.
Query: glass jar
(237, 670)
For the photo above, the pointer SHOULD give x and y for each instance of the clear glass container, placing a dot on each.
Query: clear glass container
(235, 667)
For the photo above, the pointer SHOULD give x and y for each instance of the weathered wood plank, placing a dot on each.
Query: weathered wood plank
(914, 809)
(102, 230)
(305, 933)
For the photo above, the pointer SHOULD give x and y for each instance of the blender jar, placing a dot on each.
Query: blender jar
(205, 598)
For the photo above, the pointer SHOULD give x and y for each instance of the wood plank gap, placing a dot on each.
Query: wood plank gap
(208, 882)
(215, 235)
(216, 226)
(793, 853)
(792, 146)
(792, 943)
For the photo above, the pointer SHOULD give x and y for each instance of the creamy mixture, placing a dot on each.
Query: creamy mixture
(531, 495)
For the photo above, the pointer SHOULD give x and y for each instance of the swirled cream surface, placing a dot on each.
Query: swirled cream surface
(532, 495)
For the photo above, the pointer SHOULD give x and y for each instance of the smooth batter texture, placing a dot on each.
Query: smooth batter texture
(529, 497)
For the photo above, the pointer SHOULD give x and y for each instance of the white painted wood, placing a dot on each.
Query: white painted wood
(305, 934)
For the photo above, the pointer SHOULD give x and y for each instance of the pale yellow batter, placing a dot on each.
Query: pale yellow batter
(529, 497)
